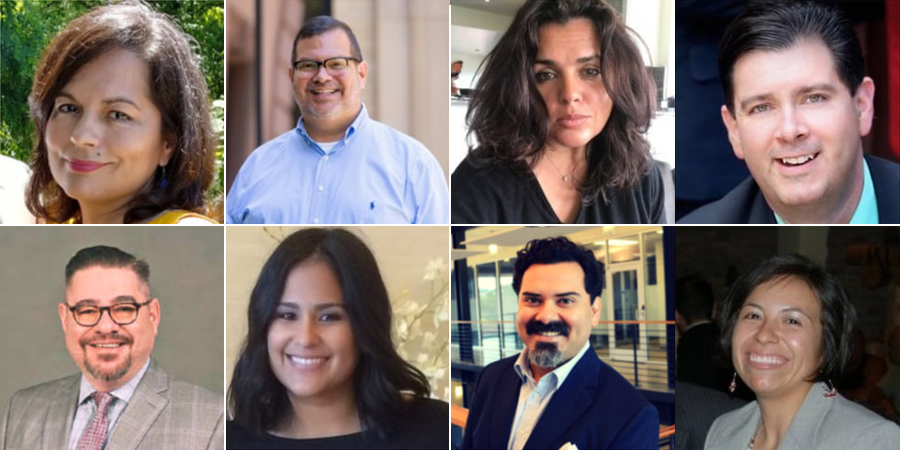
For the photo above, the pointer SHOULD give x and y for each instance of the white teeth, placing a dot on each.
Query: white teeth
(550, 333)
(760, 359)
(106, 345)
(307, 361)
(798, 160)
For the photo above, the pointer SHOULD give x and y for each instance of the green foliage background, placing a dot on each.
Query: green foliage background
(27, 26)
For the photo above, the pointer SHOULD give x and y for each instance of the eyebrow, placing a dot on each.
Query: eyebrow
(582, 60)
(826, 87)
(117, 300)
(561, 294)
(317, 307)
(790, 309)
(106, 101)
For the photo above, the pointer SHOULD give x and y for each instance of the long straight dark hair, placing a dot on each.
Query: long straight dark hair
(257, 399)
(509, 118)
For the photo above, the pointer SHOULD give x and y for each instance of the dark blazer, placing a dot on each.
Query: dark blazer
(696, 409)
(746, 204)
(164, 413)
(594, 408)
(697, 350)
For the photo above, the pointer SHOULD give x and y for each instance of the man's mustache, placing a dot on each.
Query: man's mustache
(536, 327)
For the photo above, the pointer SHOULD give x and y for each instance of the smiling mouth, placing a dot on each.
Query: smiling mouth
(307, 362)
(549, 333)
(77, 165)
(766, 360)
(798, 161)
(324, 91)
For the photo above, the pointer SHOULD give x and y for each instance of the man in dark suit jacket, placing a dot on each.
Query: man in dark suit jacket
(121, 400)
(699, 341)
(797, 104)
(557, 392)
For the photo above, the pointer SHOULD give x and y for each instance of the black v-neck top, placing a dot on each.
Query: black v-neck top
(498, 193)
(425, 426)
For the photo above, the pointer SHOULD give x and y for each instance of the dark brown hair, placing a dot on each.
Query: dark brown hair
(177, 88)
(508, 116)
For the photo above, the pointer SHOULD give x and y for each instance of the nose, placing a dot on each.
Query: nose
(106, 323)
(570, 89)
(307, 333)
(766, 334)
(792, 127)
(547, 312)
(322, 74)
(85, 134)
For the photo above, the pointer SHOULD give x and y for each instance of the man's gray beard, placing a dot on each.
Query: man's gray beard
(108, 376)
(546, 355)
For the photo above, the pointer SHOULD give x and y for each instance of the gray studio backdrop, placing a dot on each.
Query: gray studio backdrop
(186, 274)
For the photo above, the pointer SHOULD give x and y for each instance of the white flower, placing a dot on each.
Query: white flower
(434, 269)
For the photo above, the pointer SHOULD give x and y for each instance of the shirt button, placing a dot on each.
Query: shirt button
(321, 188)
(316, 220)
(327, 157)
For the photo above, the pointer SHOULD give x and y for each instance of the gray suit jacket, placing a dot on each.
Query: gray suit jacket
(820, 423)
(164, 413)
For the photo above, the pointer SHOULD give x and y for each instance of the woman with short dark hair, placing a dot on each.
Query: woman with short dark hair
(318, 368)
(122, 121)
(786, 327)
(559, 115)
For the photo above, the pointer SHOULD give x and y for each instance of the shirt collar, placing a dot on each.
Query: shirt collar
(122, 393)
(351, 131)
(867, 208)
(523, 367)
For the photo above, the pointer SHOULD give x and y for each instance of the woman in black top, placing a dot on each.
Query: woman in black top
(559, 116)
(318, 368)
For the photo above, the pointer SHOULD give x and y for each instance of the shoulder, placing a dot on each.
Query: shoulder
(727, 428)
(394, 140)
(191, 393)
(49, 390)
(269, 151)
(182, 217)
(239, 437)
(858, 424)
(471, 170)
(497, 369)
(734, 207)
(488, 192)
(425, 424)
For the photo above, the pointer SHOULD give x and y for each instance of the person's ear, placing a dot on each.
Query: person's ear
(596, 306)
(63, 310)
(363, 71)
(734, 135)
(170, 141)
(153, 309)
(864, 101)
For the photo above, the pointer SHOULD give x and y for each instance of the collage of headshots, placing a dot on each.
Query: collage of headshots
(354, 259)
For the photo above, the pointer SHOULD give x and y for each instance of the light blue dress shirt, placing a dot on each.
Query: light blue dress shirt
(374, 174)
(867, 209)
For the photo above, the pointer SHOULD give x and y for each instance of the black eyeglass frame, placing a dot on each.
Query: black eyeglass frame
(108, 310)
(319, 64)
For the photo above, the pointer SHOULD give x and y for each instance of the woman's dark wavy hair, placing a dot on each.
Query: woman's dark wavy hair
(177, 88)
(259, 402)
(838, 314)
(508, 116)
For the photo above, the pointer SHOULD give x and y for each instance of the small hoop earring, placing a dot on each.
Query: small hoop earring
(733, 385)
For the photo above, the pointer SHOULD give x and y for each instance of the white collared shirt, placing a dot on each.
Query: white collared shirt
(87, 406)
(534, 396)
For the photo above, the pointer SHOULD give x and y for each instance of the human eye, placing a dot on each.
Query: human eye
(286, 315)
(67, 108)
(751, 315)
(531, 301)
(307, 66)
(816, 98)
(125, 308)
(330, 317)
(119, 116)
(544, 75)
(566, 301)
(759, 109)
(590, 72)
(794, 321)
(336, 64)
(86, 311)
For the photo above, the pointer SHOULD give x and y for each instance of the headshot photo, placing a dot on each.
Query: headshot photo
(565, 118)
(128, 323)
(337, 338)
(118, 149)
(340, 112)
(802, 324)
(800, 109)
(559, 338)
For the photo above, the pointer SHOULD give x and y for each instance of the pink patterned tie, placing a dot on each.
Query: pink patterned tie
(94, 437)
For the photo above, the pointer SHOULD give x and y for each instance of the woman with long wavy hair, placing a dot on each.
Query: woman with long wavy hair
(559, 116)
(318, 368)
(122, 122)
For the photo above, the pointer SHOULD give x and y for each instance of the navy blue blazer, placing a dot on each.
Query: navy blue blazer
(746, 204)
(595, 408)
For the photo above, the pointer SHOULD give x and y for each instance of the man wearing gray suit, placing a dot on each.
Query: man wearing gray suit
(121, 399)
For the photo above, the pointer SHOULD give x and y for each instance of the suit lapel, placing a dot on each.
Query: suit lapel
(61, 415)
(502, 422)
(142, 411)
(570, 402)
(804, 429)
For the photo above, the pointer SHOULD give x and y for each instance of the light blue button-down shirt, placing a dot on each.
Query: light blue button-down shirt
(867, 208)
(374, 174)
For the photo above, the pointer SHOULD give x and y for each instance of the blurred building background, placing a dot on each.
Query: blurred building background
(404, 42)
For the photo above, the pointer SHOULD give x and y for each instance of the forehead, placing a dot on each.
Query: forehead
(786, 292)
(334, 42)
(312, 281)
(781, 72)
(559, 277)
(575, 37)
(100, 76)
(104, 284)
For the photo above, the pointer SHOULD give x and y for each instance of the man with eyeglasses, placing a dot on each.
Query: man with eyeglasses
(338, 165)
(121, 399)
